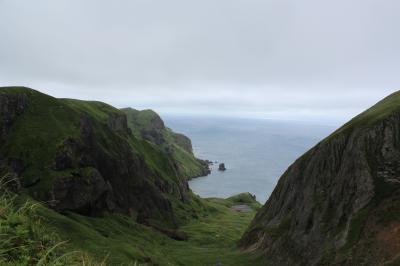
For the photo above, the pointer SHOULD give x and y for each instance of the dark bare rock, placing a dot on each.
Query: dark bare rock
(241, 208)
(118, 122)
(126, 174)
(184, 142)
(80, 192)
(221, 167)
(11, 105)
(338, 204)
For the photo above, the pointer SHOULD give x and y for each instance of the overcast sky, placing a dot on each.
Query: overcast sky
(266, 58)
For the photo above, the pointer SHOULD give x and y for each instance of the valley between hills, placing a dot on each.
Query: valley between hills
(84, 183)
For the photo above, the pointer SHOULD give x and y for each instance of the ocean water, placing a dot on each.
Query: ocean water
(255, 152)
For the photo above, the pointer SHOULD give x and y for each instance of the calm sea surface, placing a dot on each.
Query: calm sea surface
(255, 152)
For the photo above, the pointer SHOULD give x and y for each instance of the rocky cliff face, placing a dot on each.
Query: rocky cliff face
(10, 107)
(82, 157)
(184, 142)
(147, 125)
(338, 204)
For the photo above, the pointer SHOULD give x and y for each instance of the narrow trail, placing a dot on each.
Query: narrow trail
(241, 208)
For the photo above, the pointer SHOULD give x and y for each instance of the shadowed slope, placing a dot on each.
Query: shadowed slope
(338, 203)
(81, 156)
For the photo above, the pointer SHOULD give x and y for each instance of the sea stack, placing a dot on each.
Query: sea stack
(221, 167)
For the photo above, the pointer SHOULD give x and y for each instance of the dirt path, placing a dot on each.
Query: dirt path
(241, 208)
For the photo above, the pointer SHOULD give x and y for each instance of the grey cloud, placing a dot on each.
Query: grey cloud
(255, 56)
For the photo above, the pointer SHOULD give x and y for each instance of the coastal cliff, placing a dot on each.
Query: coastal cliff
(148, 125)
(338, 204)
(82, 156)
(84, 183)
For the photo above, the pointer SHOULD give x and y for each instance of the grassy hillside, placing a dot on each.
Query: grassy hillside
(33, 234)
(374, 114)
(27, 240)
(212, 238)
(113, 191)
(148, 125)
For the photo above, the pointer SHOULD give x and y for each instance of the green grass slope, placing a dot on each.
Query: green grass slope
(112, 196)
(378, 112)
(33, 234)
(212, 238)
(27, 240)
(148, 125)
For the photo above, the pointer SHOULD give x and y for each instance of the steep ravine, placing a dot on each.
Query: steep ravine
(338, 204)
(115, 182)
(108, 186)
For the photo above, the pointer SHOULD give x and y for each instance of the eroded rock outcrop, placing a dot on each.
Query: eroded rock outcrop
(118, 122)
(11, 105)
(184, 142)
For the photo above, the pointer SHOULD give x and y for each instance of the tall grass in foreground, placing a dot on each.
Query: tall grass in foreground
(25, 239)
